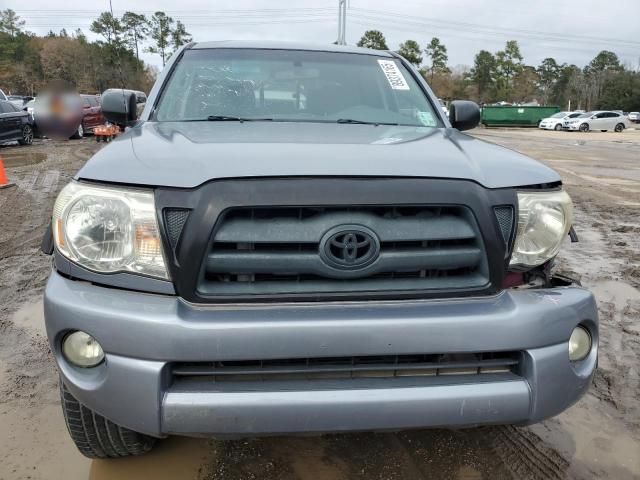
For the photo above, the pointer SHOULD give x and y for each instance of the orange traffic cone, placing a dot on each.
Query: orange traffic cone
(4, 181)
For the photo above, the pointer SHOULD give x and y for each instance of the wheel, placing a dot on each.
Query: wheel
(79, 133)
(98, 138)
(619, 127)
(584, 127)
(558, 127)
(97, 437)
(27, 135)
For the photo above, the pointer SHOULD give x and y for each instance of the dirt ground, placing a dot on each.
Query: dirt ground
(597, 438)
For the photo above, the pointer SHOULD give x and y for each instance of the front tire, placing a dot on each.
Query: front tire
(79, 132)
(584, 127)
(619, 128)
(558, 127)
(97, 437)
(27, 135)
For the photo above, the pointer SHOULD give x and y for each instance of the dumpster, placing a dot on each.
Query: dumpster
(515, 116)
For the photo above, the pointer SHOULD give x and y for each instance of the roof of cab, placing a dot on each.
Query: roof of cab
(278, 45)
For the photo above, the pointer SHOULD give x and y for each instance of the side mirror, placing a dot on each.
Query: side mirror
(464, 115)
(119, 106)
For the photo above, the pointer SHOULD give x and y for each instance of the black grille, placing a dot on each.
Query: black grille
(504, 215)
(174, 220)
(352, 367)
(264, 251)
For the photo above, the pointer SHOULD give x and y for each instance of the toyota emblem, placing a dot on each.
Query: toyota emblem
(349, 247)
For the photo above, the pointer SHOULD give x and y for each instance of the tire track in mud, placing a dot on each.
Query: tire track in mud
(526, 456)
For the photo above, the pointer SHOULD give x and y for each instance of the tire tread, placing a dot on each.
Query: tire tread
(96, 436)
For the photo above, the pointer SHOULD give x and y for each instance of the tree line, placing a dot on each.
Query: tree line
(28, 62)
(503, 76)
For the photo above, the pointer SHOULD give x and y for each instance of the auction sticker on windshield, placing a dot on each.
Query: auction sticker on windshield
(394, 76)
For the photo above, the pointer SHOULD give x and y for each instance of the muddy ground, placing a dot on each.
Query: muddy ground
(597, 438)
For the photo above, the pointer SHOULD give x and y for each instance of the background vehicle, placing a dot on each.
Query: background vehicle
(91, 115)
(556, 122)
(19, 100)
(598, 120)
(634, 117)
(331, 259)
(15, 124)
(2, 95)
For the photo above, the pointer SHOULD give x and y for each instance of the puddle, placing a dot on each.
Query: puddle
(171, 459)
(34, 444)
(592, 441)
(31, 317)
(20, 159)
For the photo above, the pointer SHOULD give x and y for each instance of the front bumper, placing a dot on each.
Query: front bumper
(143, 333)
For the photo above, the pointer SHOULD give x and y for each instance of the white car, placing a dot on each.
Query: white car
(602, 120)
(556, 121)
(634, 117)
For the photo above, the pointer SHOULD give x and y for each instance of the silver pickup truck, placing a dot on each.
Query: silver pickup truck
(296, 238)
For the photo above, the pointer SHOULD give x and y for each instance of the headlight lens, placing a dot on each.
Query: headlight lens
(544, 221)
(109, 230)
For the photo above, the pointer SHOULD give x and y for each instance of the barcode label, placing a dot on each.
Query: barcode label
(394, 76)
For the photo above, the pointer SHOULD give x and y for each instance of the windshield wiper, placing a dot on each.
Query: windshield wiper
(362, 122)
(227, 118)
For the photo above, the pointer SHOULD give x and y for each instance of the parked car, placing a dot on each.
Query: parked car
(15, 124)
(556, 121)
(598, 120)
(2, 95)
(18, 100)
(634, 117)
(91, 115)
(240, 262)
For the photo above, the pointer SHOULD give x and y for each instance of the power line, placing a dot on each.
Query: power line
(369, 14)
(368, 24)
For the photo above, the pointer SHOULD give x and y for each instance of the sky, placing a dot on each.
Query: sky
(571, 31)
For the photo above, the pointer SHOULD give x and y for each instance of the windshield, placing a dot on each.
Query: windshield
(293, 85)
(586, 115)
(559, 115)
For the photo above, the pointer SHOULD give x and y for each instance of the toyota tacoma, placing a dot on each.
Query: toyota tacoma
(296, 238)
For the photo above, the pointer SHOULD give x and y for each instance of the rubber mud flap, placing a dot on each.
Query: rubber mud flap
(47, 241)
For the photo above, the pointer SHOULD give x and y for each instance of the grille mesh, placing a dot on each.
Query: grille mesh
(174, 220)
(504, 215)
(351, 367)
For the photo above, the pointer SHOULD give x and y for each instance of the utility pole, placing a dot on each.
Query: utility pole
(342, 22)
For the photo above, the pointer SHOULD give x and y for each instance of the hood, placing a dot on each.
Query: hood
(187, 154)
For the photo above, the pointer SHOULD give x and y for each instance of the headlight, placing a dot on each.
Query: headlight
(544, 221)
(109, 230)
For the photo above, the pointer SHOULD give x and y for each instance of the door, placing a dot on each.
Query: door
(600, 122)
(87, 114)
(10, 121)
(97, 111)
(613, 119)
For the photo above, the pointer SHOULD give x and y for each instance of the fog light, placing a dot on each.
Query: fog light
(579, 344)
(82, 350)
